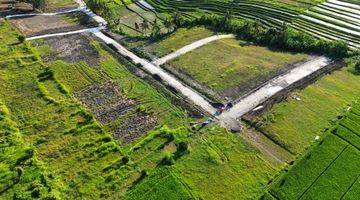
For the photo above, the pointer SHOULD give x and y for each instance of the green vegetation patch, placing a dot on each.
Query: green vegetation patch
(161, 184)
(177, 40)
(48, 139)
(53, 147)
(51, 5)
(330, 169)
(222, 165)
(294, 124)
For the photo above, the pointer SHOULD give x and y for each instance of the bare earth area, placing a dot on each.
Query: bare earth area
(112, 108)
(72, 48)
(40, 25)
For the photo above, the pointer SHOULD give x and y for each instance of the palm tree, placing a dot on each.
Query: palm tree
(227, 16)
(168, 24)
(145, 25)
(155, 30)
(177, 19)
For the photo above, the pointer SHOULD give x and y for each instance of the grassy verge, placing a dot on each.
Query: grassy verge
(177, 40)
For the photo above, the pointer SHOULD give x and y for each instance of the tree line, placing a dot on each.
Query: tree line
(283, 37)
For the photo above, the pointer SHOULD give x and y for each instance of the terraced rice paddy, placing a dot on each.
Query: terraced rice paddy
(333, 19)
(131, 19)
(267, 13)
(233, 165)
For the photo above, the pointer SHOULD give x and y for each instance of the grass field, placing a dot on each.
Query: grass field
(162, 184)
(294, 124)
(46, 131)
(177, 40)
(235, 67)
(330, 169)
(219, 165)
(53, 5)
(223, 166)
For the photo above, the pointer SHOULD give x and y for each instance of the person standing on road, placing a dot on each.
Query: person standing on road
(229, 106)
(208, 121)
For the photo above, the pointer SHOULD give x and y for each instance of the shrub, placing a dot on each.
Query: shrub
(356, 61)
(125, 160)
(182, 149)
(21, 38)
(168, 159)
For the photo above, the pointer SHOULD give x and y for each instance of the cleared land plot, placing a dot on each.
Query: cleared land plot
(330, 170)
(177, 40)
(8, 7)
(294, 124)
(232, 68)
(39, 25)
(60, 48)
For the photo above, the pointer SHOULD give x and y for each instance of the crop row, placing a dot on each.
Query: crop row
(330, 167)
(240, 9)
(333, 20)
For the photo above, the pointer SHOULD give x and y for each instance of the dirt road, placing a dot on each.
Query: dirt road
(188, 92)
(189, 48)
